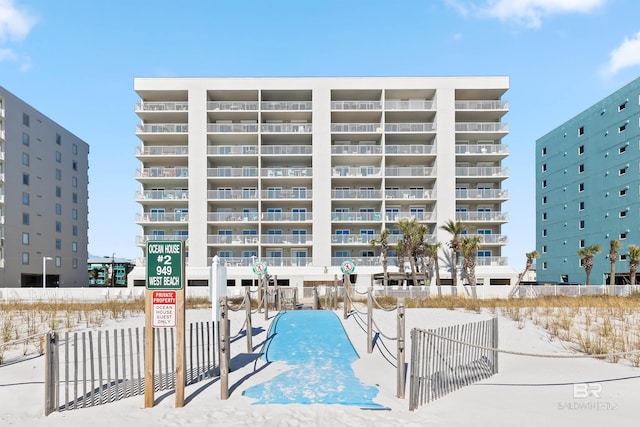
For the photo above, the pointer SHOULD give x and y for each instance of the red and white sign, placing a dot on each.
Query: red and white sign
(164, 309)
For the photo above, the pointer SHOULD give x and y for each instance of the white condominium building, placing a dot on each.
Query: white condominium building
(303, 173)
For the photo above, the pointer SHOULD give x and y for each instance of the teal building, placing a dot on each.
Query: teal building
(588, 188)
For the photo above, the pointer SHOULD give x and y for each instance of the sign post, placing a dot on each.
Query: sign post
(348, 267)
(164, 308)
(260, 269)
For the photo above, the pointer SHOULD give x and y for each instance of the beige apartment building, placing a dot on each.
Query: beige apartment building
(302, 173)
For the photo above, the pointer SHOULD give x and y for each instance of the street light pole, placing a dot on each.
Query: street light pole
(44, 270)
(113, 271)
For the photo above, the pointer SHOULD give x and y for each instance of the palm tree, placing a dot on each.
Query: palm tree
(400, 252)
(614, 245)
(530, 257)
(586, 258)
(421, 247)
(384, 249)
(634, 260)
(469, 251)
(431, 251)
(408, 229)
(455, 228)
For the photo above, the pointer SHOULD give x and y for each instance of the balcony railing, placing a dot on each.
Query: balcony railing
(419, 216)
(286, 149)
(482, 149)
(353, 239)
(162, 195)
(237, 150)
(482, 216)
(482, 171)
(356, 216)
(356, 127)
(162, 217)
(415, 104)
(482, 194)
(235, 239)
(232, 127)
(247, 171)
(355, 193)
(286, 105)
(356, 105)
(232, 106)
(141, 240)
(353, 171)
(2, 134)
(286, 216)
(232, 216)
(410, 194)
(356, 149)
(163, 128)
(482, 105)
(410, 171)
(360, 261)
(271, 261)
(232, 194)
(161, 106)
(162, 150)
(285, 127)
(162, 172)
(282, 172)
(265, 239)
(482, 127)
(410, 127)
(410, 149)
(492, 260)
(392, 239)
(285, 239)
(490, 239)
(286, 194)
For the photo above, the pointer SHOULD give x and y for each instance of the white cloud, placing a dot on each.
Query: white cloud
(624, 56)
(529, 13)
(15, 23)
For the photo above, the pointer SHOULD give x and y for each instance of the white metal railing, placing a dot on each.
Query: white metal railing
(419, 216)
(286, 149)
(286, 216)
(286, 105)
(2, 134)
(482, 149)
(359, 261)
(490, 239)
(271, 261)
(354, 193)
(140, 240)
(232, 216)
(161, 106)
(162, 150)
(482, 171)
(232, 127)
(482, 127)
(246, 171)
(482, 105)
(356, 127)
(236, 239)
(482, 194)
(356, 105)
(482, 216)
(552, 289)
(355, 171)
(412, 104)
(492, 261)
(300, 193)
(162, 217)
(356, 149)
(163, 128)
(410, 194)
(162, 195)
(162, 172)
(232, 194)
(353, 239)
(410, 127)
(281, 172)
(392, 239)
(232, 105)
(285, 127)
(356, 216)
(286, 239)
(220, 150)
(409, 171)
(410, 149)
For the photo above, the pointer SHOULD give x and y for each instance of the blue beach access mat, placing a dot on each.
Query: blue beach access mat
(316, 347)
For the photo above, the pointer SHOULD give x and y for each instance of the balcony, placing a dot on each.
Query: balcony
(484, 172)
(162, 195)
(286, 216)
(162, 150)
(232, 127)
(410, 194)
(410, 149)
(162, 172)
(483, 149)
(356, 105)
(2, 134)
(482, 105)
(419, 216)
(497, 217)
(360, 261)
(353, 239)
(281, 150)
(490, 239)
(161, 106)
(232, 106)
(228, 172)
(286, 239)
(232, 216)
(355, 171)
(356, 149)
(232, 239)
(413, 104)
(354, 193)
(470, 194)
(142, 240)
(271, 261)
(392, 239)
(162, 128)
(232, 150)
(286, 172)
(162, 217)
(409, 171)
(409, 127)
(286, 105)
(285, 127)
(279, 194)
(482, 127)
(356, 128)
(492, 261)
(232, 194)
(356, 216)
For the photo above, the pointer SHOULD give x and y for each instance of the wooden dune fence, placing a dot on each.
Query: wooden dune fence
(92, 368)
(448, 358)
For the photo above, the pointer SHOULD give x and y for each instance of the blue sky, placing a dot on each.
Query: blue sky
(75, 60)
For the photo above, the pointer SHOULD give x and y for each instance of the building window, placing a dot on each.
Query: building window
(581, 131)
(623, 236)
(581, 187)
(25, 139)
(581, 243)
(58, 191)
(544, 232)
(544, 249)
(74, 181)
(25, 258)
(544, 167)
(58, 209)
(58, 139)
(623, 257)
(25, 199)
(544, 183)
(581, 206)
(74, 165)
(622, 192)
(622, 171)
(25, 218)
(544, 216)
(74, 149)
(544, 151)
(58, 244)
(58, 157)
(58, 174)
(622, 106)
(622, 128)
(74, 197)
(622, 214)
(581, 150)
(25, 238)
(622, 149)
(58, 261)
(74, 263)
(25, 119)
(74, 213)
(25, 178)
(581, 224)
(74, 246)
(25, 159)
(58, 227)
(581, 168)
(544, 200)
(74, 230)
(544, 265)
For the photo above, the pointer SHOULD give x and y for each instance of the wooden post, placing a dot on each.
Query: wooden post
(369, 322)
(334, 294)
(260, 298)
(149, 351)
(247, 302)
(224, 350)
(315, 298)
(347, 290)
(265, 283)
(50, 369)
(278, 303)
(401, 348)
(345, 297)
(180, 346)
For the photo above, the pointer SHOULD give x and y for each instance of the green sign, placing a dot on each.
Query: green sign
(348, 267)
(260, 268)
(164, 265)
